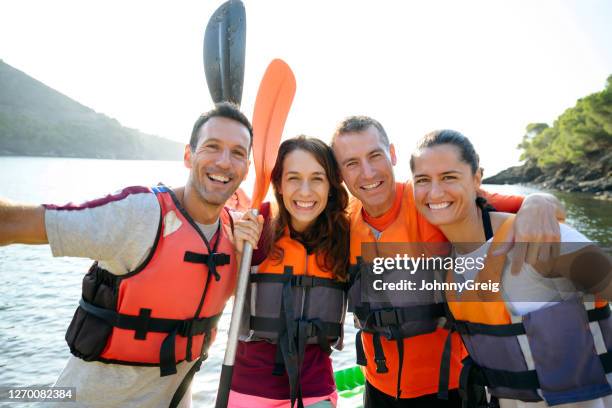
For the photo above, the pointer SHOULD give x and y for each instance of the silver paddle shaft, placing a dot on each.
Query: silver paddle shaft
(239, 299)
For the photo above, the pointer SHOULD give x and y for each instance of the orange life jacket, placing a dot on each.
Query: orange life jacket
(166, 310)
(295, 301)
(406, 361)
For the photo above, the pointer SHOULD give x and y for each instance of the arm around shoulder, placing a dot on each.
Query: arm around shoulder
(547, 200)
(22, 223)
(589, 269)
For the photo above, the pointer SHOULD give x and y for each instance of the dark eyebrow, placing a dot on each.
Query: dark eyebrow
(377, 150)
(217, 140)
(443, 174)
(316, 173)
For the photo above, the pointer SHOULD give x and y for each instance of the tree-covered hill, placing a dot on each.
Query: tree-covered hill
(36, 120)
(574, 154)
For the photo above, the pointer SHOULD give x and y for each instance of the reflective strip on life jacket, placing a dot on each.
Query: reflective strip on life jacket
(295, 302)
(549, 354)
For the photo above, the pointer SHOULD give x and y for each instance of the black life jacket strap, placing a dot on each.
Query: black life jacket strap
(488, 229)
(167, 357)
(524, 380)
(498, 330)
(184, 385)
(599, 313)
(302, 281)
(445, 363)
(361, 357)
(472, 394)
(311, 328)
(606, 361)
(519, 380)
(399, 341)
(486, 217)
(144, 323)
(516, 329)
(379, 355)
(355, 269)
(210, 260)
(287, 340)
(400, 315)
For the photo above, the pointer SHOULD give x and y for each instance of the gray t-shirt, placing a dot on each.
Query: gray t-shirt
(529, 291)
(118, 231)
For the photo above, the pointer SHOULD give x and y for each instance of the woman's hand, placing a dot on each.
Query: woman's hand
(247, 229)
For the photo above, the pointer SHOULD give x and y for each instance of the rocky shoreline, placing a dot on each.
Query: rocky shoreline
(592, 175)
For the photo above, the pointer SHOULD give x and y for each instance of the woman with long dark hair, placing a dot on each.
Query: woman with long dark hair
(297, 299)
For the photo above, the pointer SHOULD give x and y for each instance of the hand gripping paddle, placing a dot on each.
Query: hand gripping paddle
(272, 105)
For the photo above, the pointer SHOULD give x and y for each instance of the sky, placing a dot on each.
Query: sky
(485, 68)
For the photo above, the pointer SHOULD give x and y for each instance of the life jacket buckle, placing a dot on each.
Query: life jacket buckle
(381, 366)
(303, 281)
(386, 317)
(220, 258)
(460, 327)
(309, 327)
(185, 328)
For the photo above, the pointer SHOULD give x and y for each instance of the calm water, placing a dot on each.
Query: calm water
(39, 293)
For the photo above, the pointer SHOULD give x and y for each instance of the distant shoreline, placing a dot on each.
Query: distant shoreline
(592, 175)
(2, 154)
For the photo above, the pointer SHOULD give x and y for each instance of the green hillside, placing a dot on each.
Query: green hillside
(580, 133)
(36, 120)
(574, 154)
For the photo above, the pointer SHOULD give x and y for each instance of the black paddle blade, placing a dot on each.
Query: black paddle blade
(224, 50)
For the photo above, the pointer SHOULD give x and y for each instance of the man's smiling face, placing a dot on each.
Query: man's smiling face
(366, 164)
(220, 161)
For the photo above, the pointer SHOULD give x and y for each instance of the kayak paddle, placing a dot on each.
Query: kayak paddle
(272, 104)
(224, 51)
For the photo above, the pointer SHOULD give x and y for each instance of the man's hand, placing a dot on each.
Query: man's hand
(22, 223)
(536, 231)
(247, 229)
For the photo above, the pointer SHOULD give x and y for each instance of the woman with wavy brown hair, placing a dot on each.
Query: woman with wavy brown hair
(297, 298)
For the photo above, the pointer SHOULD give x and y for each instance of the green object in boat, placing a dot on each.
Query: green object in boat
(350, 382)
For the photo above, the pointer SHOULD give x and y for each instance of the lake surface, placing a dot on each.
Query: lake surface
(40, 293)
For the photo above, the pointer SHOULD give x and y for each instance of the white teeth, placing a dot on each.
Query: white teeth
(305, 204)
(218, 177)
(371, 186)
(439, 206)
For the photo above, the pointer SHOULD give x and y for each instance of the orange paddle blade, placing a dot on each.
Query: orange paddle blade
(272, 106)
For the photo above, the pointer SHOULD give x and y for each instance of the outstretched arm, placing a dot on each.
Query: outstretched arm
(22, 223)
(588, 268)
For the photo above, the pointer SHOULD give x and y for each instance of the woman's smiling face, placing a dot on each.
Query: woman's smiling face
(444, 185)
(304, 188)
